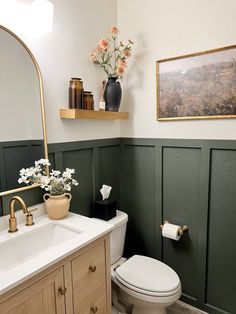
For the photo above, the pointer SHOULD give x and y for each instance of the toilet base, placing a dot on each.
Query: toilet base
(138, 303)
(142, 307)
(141, 310)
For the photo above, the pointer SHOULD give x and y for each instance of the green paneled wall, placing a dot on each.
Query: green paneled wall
(181, 192)
(139, 170)
(221, 276)
(189, 182)
(109, 170)
(15, 155)
(82, 162)
(96, 162)
(86, 157)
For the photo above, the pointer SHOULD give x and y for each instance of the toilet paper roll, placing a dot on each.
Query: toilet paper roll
(170, 231)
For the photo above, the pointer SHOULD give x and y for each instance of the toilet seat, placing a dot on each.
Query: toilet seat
(148, 276)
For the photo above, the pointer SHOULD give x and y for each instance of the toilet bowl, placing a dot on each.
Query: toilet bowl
(149, 285)
(143, 285)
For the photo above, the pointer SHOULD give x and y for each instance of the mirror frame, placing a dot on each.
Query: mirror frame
(43, 118)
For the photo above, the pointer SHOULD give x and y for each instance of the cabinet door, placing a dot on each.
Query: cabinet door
(89, 281)
(42, 297)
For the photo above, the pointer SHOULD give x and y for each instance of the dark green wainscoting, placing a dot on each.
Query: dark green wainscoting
(190, 182)
(15, 155)
(96, 162)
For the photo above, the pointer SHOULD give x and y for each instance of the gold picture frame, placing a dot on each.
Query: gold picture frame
(197, 86)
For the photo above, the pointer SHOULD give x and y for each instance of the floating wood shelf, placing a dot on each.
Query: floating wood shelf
(92, 114)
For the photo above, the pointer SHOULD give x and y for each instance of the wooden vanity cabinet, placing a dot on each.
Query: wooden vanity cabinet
(79, 284)
(40, 297)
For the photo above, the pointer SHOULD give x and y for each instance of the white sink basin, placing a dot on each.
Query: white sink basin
(32, 244)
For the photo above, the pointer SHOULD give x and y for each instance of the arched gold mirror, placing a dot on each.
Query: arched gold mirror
(22, 112)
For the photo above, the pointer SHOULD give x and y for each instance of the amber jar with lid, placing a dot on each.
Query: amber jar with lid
(76, 91)
(88, 103)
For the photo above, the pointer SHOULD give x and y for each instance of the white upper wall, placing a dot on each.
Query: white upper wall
(163, 29)
(78, 25)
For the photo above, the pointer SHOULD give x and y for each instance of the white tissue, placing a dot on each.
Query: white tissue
(105, 191)
(102, 105)
(171, 231)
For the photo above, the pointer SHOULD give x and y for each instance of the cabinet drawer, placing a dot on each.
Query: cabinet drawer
(89, 278)
(95, 302)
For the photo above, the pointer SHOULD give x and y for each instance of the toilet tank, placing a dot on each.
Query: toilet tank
(118, 235)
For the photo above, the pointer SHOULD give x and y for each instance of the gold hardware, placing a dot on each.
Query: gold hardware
(12, 219)
(92, 269)
(29, 217)
(93, 309)
(181, 230)
(33, 210)
(62, 291)
(29, 220)
(12, 225)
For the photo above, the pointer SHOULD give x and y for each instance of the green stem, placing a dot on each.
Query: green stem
(115, 61)
(103, 65)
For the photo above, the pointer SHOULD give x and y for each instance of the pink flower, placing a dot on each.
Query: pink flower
(127, 53)
(114, 30)
(98, 49)
(103, 44)
(120, 70)
(93, 56)
(122, 63)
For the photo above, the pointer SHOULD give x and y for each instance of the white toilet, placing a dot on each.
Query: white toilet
(146, 284)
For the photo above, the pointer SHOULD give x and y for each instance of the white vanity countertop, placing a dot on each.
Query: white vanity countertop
(88, 230)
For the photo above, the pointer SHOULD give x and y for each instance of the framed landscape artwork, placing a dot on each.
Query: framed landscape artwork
(197, 86)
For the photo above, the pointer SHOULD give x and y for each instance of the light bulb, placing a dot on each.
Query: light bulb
(27, 19)
(42, 16)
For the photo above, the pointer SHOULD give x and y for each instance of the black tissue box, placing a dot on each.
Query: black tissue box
(104, 210)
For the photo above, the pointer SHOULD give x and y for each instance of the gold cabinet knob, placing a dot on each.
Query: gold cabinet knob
(92, 269)
(62, 291)
(93, 309)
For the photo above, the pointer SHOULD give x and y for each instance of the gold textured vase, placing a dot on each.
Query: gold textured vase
(57, 206)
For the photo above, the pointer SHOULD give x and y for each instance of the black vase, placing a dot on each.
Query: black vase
(112, 94)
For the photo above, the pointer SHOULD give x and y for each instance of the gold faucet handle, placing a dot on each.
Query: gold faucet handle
(29, 217)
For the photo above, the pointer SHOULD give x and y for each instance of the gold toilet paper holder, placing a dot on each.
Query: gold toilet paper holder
(181, 230)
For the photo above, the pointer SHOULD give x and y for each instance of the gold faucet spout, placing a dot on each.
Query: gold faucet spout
(12, 219)
(22, 203)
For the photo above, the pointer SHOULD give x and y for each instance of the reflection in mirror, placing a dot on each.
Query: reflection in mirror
(21, 131)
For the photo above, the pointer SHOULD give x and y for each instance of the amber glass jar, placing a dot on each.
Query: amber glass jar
(76, 91)
(88, 103)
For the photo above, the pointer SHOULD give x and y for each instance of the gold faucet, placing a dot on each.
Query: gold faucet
(12, 219)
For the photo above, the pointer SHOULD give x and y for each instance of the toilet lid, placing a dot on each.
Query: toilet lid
(148, 274)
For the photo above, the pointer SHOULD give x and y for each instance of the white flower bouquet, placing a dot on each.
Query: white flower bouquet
(57, 183)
